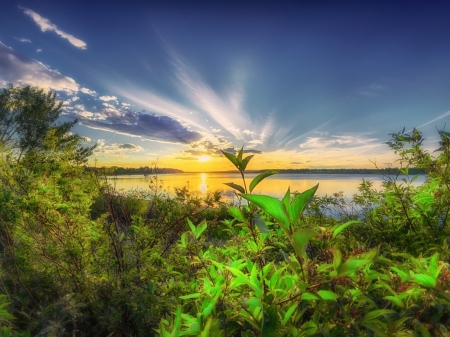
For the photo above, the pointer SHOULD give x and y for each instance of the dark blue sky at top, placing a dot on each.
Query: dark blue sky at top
(305, 77)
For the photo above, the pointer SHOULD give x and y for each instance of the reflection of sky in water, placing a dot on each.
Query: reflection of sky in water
(275, 185)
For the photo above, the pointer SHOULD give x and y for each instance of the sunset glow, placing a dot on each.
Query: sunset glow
(203, 158)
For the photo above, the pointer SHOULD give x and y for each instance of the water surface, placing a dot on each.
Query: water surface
(276, 185)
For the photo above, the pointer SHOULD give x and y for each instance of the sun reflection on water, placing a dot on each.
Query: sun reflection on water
(203, 187)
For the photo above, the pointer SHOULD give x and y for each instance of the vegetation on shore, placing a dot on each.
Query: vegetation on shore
(79, 258)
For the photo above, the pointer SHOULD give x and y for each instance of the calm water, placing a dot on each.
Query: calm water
(275, 185)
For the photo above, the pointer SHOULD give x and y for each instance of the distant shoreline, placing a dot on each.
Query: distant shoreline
(151, 171)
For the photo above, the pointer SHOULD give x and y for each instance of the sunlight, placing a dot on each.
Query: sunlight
(203, 158)
(203, 187)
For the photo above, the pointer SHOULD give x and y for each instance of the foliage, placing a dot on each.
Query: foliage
(242, 289)
(79, 257)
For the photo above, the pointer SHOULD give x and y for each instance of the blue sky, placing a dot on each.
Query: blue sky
(308, 84)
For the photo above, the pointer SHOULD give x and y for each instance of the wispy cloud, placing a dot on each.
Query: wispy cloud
(45, 25)
(435, 119)
(136, 124)
(22, 39)
(336, 141)
(225, 110)
(22, 70)
(371, 90)
(88, 92)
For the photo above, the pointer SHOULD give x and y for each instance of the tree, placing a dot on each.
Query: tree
(28, 118)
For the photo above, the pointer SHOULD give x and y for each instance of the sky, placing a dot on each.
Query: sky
(306, 84)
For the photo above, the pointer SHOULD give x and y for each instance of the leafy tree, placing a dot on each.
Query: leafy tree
(28, 115)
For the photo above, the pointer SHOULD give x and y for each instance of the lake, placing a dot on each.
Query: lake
(275, 185)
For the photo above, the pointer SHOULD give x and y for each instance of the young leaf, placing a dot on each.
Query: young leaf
(300, 202)
(176, 323)
(186, 297)
(301, 238)
(310, 297)
(236, 187)
(376, 313)
(237, 214)
(337, 258)
(327, 295)
(239, 156)
(351, 265)
(337, 230)
(201, 228)
(259, 178)
(191, 225)
(271, 206)
(231, 157)
(395, 300)
(288, 314)
(424, 280)
(245, 162)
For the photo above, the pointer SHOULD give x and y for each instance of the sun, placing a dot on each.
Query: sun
(203, 158)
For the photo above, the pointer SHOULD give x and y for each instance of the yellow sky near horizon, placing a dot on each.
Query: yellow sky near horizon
(271, 160)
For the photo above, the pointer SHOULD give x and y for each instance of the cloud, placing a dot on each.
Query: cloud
(22, 70)
(88, 92)
(209, 145)
(45, 25)
(186, 158)
(336, 141)
(108, 98)
(115, 149)
(128, 146)
(38, 50)
(371, 90)
(23, 40)
(252, 151)
(296, 163)
(138, 124)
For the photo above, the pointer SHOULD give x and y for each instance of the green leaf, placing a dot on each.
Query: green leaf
(327, 295)
(403, 275)
(231, 157)
(239, 156)
(424, 280)
(337, 230)
(300, 202)
(288, 314)
(287, 200)
(201, 228)
(260, 223)
(176, 323)
(337, 258)
(350, 266)
(433, 267)
(310, 297)
(395, 300)
(270, 322)
(259, 178)
(236, 187)
(271, 206)
(237, 214)
(376, 313)
(245, 162)
(186, 297)
(205, 332)
(301, 238)
(191, 226)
